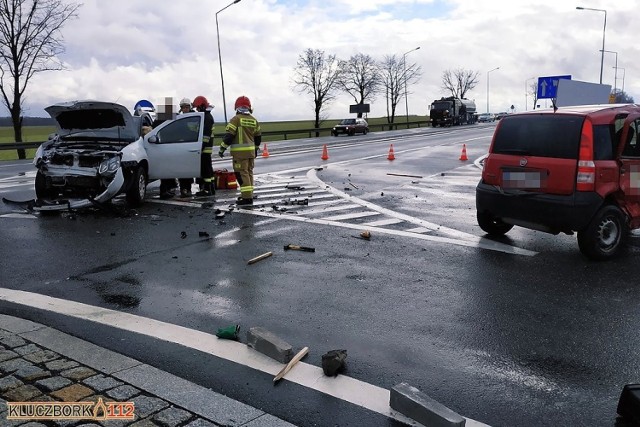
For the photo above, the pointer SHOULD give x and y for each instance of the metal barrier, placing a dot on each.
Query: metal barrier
(285, 133)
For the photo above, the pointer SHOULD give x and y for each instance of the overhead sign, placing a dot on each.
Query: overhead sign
(574, 92)
(548, 86)
(359, 108)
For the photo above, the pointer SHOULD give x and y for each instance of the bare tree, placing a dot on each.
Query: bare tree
(317, 74)
(30, 42)
(396, 76)
(459, 81)
(533, 91)
(360, 78)
(622, 97)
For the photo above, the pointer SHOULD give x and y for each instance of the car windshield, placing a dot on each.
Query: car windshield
(348, 122)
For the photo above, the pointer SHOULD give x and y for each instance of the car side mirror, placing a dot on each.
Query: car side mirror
(153, 139)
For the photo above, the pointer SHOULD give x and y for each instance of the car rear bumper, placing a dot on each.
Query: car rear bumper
(545, 212)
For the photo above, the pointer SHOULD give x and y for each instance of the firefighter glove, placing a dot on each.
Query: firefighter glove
(221, 152)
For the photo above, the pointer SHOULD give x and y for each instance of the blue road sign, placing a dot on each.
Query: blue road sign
(548, 86)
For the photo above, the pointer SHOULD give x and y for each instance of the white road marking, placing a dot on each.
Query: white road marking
(354, 215)
(343, 387)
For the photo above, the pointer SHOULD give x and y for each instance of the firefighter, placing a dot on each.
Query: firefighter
(207, 188)
(185, 183)
(244, 137)
(185, 106)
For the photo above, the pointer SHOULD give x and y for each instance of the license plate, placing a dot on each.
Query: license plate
(521, 179)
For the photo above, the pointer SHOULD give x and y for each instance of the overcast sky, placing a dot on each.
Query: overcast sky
(123, 50)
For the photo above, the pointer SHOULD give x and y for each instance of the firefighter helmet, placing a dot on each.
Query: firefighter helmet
(200, 102)
(185, 101)
(243, 101)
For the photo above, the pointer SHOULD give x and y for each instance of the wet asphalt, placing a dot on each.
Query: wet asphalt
(504, 339)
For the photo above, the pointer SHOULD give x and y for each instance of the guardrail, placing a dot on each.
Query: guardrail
(285, 133)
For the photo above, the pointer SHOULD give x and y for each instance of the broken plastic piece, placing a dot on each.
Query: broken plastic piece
(229, 333)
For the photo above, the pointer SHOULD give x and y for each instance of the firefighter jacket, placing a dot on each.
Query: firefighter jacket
(207, 135)
(243, 135)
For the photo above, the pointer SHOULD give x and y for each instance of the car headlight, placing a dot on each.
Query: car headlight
(110, 166)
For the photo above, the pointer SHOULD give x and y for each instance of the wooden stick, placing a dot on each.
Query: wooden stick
(302, 353)
(259, 258)
(401, 174)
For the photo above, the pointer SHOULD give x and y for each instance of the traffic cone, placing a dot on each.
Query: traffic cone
(265, 152)
(325, 153)
(391, 156)
(463, 156)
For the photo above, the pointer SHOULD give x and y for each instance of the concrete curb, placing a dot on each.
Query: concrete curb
(192, 397)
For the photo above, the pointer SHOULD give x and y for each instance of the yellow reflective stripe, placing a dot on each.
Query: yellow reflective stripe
(207, 150)
(248, 122)
(206, 138)
(248, 188)
(208, 180)
(223, 145)
(231, 127)
(236, 148)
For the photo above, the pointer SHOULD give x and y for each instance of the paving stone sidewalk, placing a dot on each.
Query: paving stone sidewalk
(40, 364)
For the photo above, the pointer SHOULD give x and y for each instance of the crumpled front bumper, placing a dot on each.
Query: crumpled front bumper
(60, 205)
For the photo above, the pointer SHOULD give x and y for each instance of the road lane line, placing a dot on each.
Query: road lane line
(342, 387)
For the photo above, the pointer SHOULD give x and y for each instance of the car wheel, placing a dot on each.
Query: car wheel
(334, 133)
(42, 192)
(605, 234)
(365, 131)
(492, 226)
(137, 187)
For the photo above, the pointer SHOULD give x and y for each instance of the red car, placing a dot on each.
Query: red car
(351, 127)
(573, 169)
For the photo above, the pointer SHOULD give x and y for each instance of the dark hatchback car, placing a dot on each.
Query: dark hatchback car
(351, 127)
(574, 169)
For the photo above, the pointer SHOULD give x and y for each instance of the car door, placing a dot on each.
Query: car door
(630, 167)
(174, 148)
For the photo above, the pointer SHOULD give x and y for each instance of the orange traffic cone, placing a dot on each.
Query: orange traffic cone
(325, 153)
(391, 156)
(463, 156)
(265, 152)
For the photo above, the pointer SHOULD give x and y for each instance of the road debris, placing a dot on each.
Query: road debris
(366, 234)
(259, 258)
(203, 234)
(302, 353)
(183, 235)
(299, 248)
(351, 184)
(333, 362)
(401, 174)
(229, 333)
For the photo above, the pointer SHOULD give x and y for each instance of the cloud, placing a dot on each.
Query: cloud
(126, 51)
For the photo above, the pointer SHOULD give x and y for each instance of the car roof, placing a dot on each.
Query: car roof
(598, 112)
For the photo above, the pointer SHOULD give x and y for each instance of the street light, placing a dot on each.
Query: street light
(624, 72)
(404, 67)
(497, 68)
(224, 101)
(526, 92)
(603, 32)
(615, 82)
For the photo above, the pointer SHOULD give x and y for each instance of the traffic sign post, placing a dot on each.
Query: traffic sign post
(548, 86)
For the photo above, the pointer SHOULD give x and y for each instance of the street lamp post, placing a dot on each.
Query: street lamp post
(604, 29)
(497, 68)
(224, 101)
(615, 81)
(404, 70)
(526, 92)
(624, 72)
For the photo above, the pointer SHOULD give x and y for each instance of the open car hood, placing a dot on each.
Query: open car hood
(94, 119)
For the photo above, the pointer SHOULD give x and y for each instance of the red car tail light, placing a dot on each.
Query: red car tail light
(586, 177)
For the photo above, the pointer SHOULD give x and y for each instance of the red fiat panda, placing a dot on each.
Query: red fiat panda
(572, 169)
